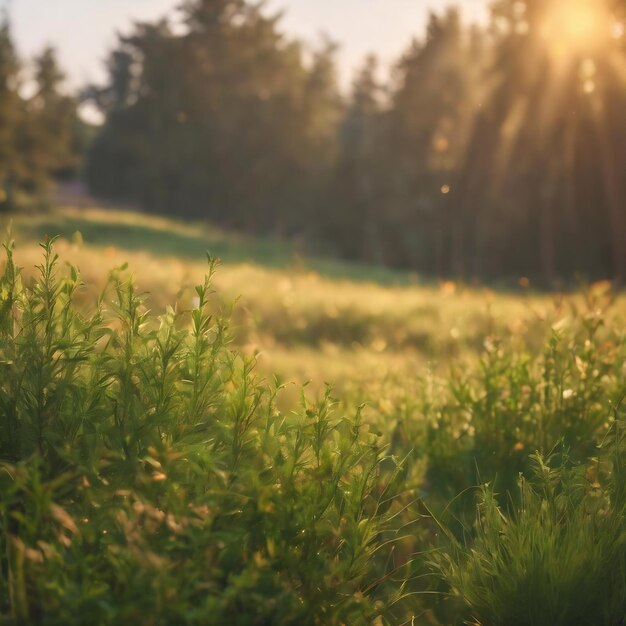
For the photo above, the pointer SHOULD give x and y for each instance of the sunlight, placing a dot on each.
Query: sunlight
(573, 27)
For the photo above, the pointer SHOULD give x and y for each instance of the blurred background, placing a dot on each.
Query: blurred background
(482, 140)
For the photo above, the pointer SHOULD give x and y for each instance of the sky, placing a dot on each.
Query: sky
(83, 31)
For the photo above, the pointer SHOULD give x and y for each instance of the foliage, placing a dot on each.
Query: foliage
(489, 152)
(225, 121)
(516, 403)
(40, 136)
(559, 558)
(148, 476)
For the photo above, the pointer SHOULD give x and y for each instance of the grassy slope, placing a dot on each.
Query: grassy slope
(310, 319)
(378, 336)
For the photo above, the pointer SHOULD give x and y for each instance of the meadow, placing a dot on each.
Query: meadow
(308, 318)
(280, 438)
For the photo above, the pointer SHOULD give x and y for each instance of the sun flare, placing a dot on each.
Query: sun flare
(576, 26)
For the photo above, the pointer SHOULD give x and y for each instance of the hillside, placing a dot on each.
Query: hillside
(309, 319)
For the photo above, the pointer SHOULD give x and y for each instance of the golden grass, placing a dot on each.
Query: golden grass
(307, 327)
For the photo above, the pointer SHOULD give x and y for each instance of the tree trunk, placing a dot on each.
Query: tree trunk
(615, 198)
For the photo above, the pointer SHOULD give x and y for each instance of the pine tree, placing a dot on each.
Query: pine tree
(52, 125)
(356, 187)
(12, 142)
(224, 120)
(432, 108)
(527, 177)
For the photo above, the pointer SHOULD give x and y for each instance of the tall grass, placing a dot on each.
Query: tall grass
(557, 559)
(147, 476)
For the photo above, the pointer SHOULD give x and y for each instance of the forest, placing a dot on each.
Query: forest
(490, 153)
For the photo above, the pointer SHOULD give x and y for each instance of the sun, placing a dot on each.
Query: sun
(576, 26)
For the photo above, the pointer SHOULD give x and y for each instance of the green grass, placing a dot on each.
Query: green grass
(559, 558)
(350, 325)
(164, 237)
(153, 469)
(148, 477)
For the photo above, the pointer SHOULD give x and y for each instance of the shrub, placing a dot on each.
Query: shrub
(147, 477)
(488, 420)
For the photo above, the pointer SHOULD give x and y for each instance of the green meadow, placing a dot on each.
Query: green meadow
(279, 438)
(312, 313)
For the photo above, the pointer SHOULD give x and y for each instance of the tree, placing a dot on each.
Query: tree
(40, 135)
(432, 107)
(224, 120)
(489, 153)
(527, 179)
(352, 218)
(12, 165)
(53, 126)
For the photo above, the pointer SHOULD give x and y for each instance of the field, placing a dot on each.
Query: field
(466, 466)
(309, 319)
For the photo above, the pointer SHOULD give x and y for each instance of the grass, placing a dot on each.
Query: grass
(311, 319)
(165, 237)
(160, 461)
(148, 476)
(558, 559)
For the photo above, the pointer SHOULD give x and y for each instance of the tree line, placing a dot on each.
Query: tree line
(493, 152)
(41, 136)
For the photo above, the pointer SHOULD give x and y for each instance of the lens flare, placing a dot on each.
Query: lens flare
(576, 26)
